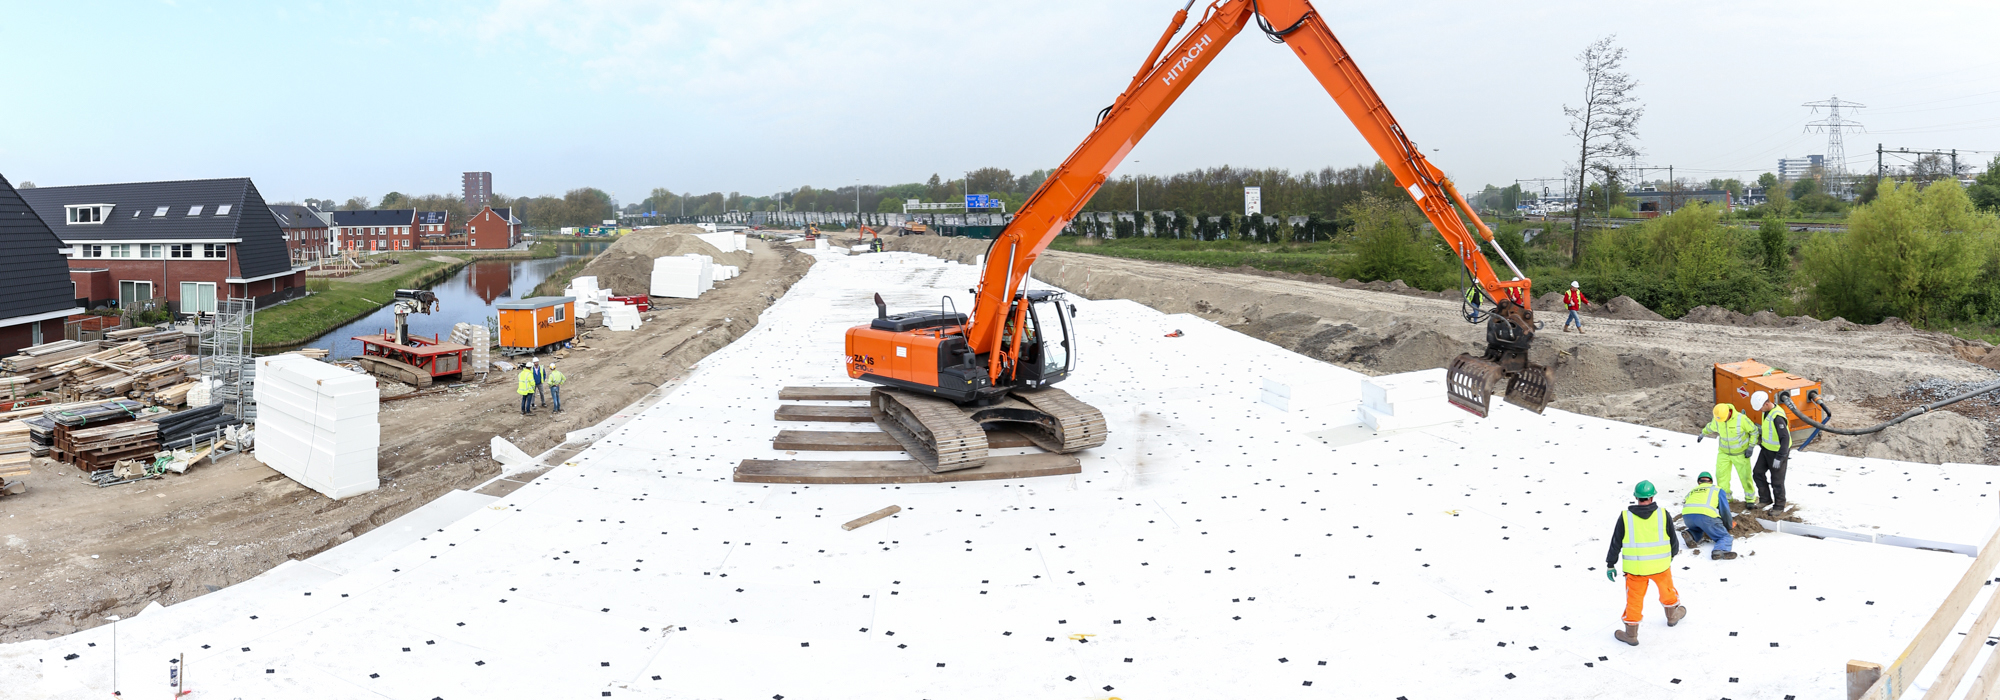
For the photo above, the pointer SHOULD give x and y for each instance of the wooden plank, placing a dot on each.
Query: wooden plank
(824, 393)
(906, 471)
(1961, 659)
(843, 441)
(839, 414)
(1898, 676)
(871, 517)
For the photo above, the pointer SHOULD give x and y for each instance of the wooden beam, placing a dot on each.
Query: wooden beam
(871, 517)
(843, 441)
(1968, 649)
(908, 471)
(1861, 675)
(1897, 677)
(824, 393)
(839, 414)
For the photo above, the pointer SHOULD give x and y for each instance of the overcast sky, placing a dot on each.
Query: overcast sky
(333, 100)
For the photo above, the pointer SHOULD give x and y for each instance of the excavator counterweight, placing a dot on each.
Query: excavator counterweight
(946, 375)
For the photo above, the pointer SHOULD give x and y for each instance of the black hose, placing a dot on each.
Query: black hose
(1102, 113)
(1277, 36)
(1813, 397)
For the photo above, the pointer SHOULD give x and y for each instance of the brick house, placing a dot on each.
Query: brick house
(188, 242)
(433, 228)
(493, 229)
(375, 229)
(306, 232)
(35, 295)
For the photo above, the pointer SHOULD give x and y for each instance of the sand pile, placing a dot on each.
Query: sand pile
(626, 268)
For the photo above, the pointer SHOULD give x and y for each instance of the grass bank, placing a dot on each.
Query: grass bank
(1303, 258)
(334, 303)
(553, 284)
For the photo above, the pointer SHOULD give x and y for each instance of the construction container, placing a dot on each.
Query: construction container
(1735, 382)
(533, 324)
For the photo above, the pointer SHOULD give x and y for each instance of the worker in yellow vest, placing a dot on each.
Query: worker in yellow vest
(1706, 514)
(1733, 433)
(525, 386)
(554, 380)
(1775, 456)
(1642, 545)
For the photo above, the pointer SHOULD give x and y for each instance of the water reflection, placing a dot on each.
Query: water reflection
(465, 297)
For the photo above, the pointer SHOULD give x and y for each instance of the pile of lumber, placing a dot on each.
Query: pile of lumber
(103, 446)
(35, 368)
(15, 446)
(106, 372)
(160, 344)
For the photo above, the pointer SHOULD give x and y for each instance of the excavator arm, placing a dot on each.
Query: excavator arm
(1154, 89)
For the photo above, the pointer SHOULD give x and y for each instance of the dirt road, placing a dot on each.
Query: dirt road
(71, 554)
(1651, 372)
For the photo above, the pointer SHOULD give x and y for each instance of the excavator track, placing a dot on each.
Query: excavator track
(1073, 425)
(934, 431)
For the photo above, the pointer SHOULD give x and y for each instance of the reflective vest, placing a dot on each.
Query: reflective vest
(1770, 440)
(1472, 296)
(555, 378)
(1573, 298)
(1732, 435)
(1647, 551)
(527, 382)
(1701, 501)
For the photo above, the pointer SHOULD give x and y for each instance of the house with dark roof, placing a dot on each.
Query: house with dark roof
(433, 228)
(188, 242)
(493, 229)
(367, 230)
(35, 292)
(306, 232)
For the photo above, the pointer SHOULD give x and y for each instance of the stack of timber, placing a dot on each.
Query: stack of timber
(69, 420)
(36, 367)
(182, 429)
(103, 446)
(16, 447)
(160, 344)
(107, 372)
(41, 435)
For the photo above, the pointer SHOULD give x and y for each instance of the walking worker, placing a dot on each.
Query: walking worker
(1776, 456)
(525, 386)
(1706, 514)
(1574, 299)
(1733, 433)
(554, 379)
(1472, 300)
(1643, 546)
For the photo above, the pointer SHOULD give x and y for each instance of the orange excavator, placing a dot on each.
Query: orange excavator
(945, 376)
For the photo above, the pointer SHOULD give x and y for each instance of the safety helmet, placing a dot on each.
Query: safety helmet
(1705, 476)
(1572, 284)
(1644, 490)
(1723, 411)
(1760, 401)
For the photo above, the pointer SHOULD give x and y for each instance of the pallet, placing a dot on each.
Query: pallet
(839, 414)
(904, 471)
(824, 393)
(835, 441)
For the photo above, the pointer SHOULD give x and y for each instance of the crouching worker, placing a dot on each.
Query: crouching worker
(1706, 514)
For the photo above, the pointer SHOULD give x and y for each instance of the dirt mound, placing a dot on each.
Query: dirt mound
(1624, 307)
(1936, 437)
(1715, 315)
(627, 266)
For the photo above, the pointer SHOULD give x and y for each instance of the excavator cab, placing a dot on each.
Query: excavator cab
(1047, 351)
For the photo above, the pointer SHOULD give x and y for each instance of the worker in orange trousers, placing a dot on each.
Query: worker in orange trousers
(1643, 545)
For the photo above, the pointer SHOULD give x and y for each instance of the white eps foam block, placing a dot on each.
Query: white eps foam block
(1386, 393)
(676, 277)
(316, 423)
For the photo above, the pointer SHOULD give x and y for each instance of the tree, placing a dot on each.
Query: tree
(395, 200)
(355, 204)
(1771, 237)
(1985, 190)
(1805, 186)
(25, 185)
(1871, 187)
(1606, 123)
(1910, 253)
(1387, 243)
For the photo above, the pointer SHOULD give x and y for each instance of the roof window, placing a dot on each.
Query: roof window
(222, 210)
(194, 210)
(162, 211)
(87, 213)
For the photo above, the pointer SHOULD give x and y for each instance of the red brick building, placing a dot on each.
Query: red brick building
(306, 232)
(375, 230)
(493, 229)
(34, 296)
(186, 242)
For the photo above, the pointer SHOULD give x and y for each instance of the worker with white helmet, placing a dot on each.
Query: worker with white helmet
(1774, 455)
(1574, 299)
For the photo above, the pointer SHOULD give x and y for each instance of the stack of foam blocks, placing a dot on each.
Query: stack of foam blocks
(1407, 401)
(480, 339)
(585, 290)
(316, 423)
(1336, 391)
(707, 270)
(677, 277)
(621, 317)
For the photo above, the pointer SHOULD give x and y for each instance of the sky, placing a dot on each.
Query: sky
(333, 100)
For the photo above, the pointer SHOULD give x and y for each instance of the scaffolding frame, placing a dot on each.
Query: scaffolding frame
(225, 356)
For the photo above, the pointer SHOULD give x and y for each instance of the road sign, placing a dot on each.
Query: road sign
(1253, 201)
(980, 201)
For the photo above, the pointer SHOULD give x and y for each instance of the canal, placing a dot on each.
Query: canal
(465, 297)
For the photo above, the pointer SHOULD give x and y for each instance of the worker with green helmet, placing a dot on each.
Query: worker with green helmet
(1734, 434)
(1643, 546)
(1706, 514)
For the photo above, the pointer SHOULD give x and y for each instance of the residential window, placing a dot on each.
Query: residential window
(93, 251)
(197, 296)
(194, 210)
(88, 213)
(151, 250)
(182, 250)
(121, 251)
(214, 250)
(132, 292)
(222, 210)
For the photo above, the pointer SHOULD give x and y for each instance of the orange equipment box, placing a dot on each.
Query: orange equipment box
(1736, 381)
(536, 323)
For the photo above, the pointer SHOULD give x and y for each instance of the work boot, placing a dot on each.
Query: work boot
(1565, 329)
(1675, 613)
(1630, 635)
(1722, 555)
(1687, 536)
(1778, 507)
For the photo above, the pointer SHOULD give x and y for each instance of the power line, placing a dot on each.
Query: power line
(1835, 160)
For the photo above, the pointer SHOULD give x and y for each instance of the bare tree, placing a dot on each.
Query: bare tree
(1607, 122)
